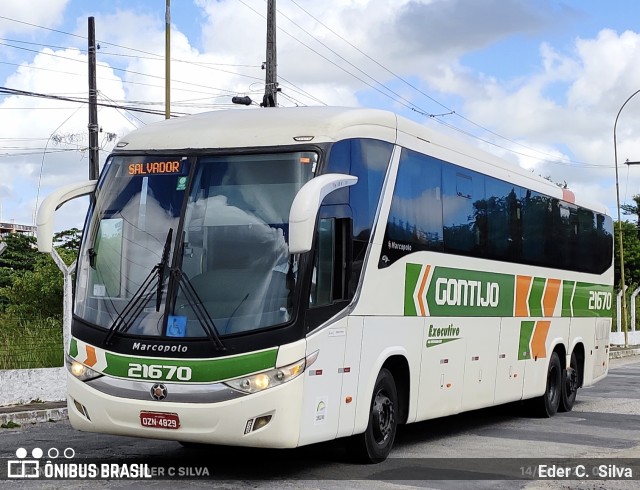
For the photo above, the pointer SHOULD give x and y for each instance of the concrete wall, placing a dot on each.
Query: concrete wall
(19, 386)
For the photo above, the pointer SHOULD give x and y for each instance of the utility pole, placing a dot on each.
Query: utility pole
(167, 61)
(271, 78)
(94, 157)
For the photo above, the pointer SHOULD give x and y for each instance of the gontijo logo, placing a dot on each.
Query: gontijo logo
(444, 291)
(461, 292)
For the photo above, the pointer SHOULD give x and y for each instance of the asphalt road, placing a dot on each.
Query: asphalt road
(604, 426)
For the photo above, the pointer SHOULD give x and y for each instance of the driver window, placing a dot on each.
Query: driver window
(322, 276)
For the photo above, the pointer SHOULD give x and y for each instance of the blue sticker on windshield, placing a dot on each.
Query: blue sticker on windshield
(177, 326)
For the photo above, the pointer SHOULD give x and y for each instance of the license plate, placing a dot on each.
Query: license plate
(160, 420)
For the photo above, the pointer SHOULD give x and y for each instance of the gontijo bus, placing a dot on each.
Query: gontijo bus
(276, 278)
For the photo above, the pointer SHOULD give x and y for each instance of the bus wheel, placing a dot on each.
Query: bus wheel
(547, 404)
(570, 385)
(374, 445)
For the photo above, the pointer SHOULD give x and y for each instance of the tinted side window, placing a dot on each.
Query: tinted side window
(464, 211)
(504, 220)
(368, 160)
(442, 207)
(415, 218)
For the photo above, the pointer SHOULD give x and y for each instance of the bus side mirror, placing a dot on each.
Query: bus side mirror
(305, 206)
(57, 198)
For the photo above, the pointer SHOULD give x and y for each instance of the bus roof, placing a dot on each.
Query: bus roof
(246, 128)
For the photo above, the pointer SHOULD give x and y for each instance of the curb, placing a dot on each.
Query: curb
(619, 354)
(58, 410)
(33, 416)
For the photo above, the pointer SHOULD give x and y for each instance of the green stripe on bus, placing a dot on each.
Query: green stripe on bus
(591, 300)
(465, 293)
(526, 332)
(412, 274)
(201, 370)
(567, 295)
(535, 296)
(73, 348)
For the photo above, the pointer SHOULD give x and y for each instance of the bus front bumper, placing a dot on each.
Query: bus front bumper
(229, 422)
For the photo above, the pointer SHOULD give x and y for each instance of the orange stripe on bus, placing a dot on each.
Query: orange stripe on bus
(91, 356)
(539, 339)
(550, 297)
(423, 284)
(523, 284)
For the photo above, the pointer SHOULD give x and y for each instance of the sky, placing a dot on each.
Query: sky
(539, 83)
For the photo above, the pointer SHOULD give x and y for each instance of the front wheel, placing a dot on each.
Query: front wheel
(374, 445)
(547, 404)
(570, 385)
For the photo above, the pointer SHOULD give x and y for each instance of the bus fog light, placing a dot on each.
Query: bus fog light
(81, 408)
(260, 422)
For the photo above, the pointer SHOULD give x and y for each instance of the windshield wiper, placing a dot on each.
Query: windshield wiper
(154, 280)
(153, 285)
(162, 266)
(182, 282)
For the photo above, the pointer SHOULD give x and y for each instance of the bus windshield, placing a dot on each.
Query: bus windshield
(163, 256)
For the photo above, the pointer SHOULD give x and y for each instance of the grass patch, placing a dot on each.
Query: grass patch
(32, 343)
(9, 425)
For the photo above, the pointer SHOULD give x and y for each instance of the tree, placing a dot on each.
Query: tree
(38, 292)
(31, 284)
(633, 209)
(20, 253)
(68, 240)
(631, 244)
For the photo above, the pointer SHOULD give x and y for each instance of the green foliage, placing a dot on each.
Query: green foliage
(35, 292)
(31, 285)
(631, 250)
(30, 342)
(20, 255)
(31, 295)
(68, 240)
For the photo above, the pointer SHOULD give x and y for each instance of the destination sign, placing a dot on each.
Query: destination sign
(152, 168)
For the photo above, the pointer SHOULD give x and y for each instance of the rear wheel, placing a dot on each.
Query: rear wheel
(570, 385)
(374, 445)
(547, 405)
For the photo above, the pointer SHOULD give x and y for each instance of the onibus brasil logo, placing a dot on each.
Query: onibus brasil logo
(58, 464)
(30, 468)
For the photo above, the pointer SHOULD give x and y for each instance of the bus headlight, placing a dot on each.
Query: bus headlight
(273, 377)
(79, 370)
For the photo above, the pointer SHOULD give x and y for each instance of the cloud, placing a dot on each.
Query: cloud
(46, 13)
(559, 108)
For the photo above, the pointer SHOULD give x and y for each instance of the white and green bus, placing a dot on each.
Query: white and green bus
(281, 277)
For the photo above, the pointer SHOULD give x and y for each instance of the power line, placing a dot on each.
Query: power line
(124, 70)
(335, 64)
(450, 111)
(408, 104)
(11, 91)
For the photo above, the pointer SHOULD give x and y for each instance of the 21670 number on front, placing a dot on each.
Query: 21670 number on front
(156, 371)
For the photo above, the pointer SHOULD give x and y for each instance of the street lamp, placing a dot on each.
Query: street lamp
(620, 247)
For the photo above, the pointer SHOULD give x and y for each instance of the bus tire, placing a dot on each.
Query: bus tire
(374, 444)
(570, 385)
(547, 405)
